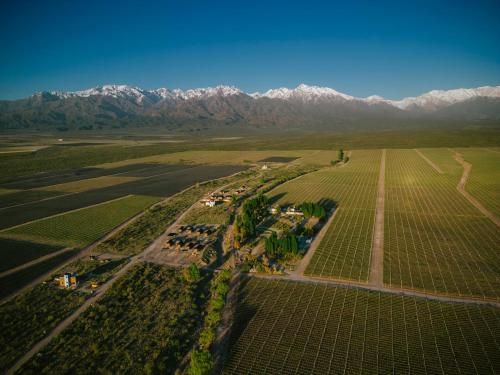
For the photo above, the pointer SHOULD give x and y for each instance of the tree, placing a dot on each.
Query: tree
(206, 339)
(341, 155)
(201, 362)
(192, 273)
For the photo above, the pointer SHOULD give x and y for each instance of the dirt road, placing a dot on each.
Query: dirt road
(377, 257)
(385, 289)
(430, 162)
(461, 188)
(299, 270)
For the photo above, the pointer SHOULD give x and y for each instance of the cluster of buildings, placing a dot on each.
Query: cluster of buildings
(223, 196)
(287, 211)
(191, 238)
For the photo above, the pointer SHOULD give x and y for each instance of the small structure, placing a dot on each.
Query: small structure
(68, 280)
(293, 211)
(265, 166)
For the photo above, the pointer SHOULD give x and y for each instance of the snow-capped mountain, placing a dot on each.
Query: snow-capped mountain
(437, 99)
(139, 95)
(304, 93)
(303, 106)
(430, 101)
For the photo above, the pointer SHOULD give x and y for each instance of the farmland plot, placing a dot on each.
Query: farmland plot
(346, 248)
(82, 227)
(434, 238)
(163, 184)
(484, 179)
(297, 328)
(14, 253)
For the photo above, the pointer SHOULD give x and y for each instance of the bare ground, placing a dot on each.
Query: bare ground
(377, 257)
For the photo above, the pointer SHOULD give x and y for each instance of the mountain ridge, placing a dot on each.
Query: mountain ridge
(306, 107)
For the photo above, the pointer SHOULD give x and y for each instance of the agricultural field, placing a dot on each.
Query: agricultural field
(28, 317)
(484, 179)
(345, 250)
(309, 328)
(218, 157)
(144, 324)
(14, 253)
(15, 281)
(89, 184)
(81, 227)
(434, 238)
(168, 181)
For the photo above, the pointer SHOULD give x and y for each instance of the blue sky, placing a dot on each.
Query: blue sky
(391, 48)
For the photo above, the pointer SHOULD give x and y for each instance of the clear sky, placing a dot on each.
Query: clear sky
(391, 48)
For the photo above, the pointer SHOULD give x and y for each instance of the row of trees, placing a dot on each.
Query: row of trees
(201, 362)
(313, 209)
(280, 247)
(252, 212)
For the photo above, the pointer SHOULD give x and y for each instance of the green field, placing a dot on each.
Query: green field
(484, 180)
(144, 324)
(434, 238)
(297, 328)
(82, 227)
(345, 250)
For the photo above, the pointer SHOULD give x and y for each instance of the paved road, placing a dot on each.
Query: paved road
(461, 188)
(376, 276)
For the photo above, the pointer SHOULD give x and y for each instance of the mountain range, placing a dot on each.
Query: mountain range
(305, 107)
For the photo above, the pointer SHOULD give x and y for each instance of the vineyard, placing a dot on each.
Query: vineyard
(484, 180)
(298, 328)
(82, 227)
(434, 238)
(346, 247)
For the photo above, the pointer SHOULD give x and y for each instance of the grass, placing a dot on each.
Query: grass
(14, 253)
(345, 250)
(144, 324)
(82, 227)
(434, 238)
(297, 328)
(484, 180)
